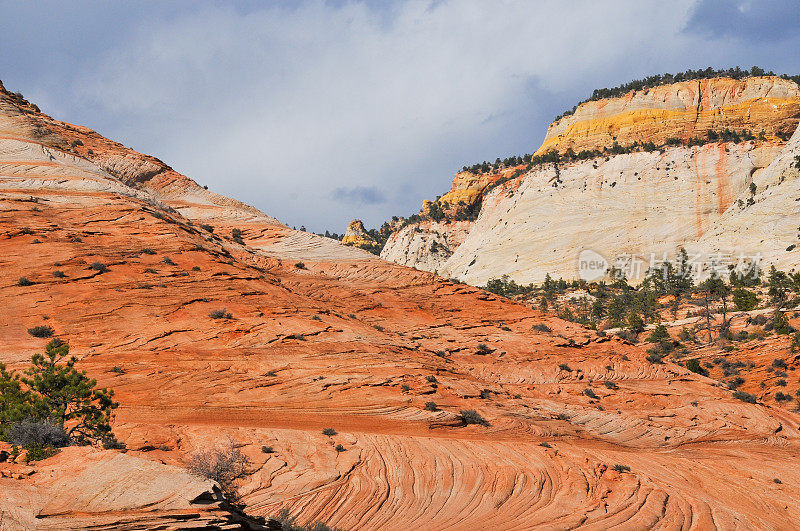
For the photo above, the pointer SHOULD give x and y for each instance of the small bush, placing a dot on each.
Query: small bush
(59, 274)
(23, 281)
(485, 394)
(694, 366)
(118, 370)
(610, 385)
(470, 416)
(782, 397)
(590, 393)
(541, 327)
(431, 406)
(267, 450)
(41, 331)
(405, 388)
(431, 379)
(196, 268)
(545, 444)
(224, 465)
(99, 266)
(339, 448)
(42, 433)
(330, 432)
(564, 367)
(735, 382)
(148, 250)
(167, 260)
(300, 265)
(622, 468)
(778, 363)
(659, 334)
(483, 350)
(744, 397)
(222, 313)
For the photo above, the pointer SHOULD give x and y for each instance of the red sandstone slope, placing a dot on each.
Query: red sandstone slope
(347, 341)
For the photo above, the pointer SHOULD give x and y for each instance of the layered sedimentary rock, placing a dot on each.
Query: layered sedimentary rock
(83, 488)
(685, 110)
(637, 205)
(356, 235)
(387, 356)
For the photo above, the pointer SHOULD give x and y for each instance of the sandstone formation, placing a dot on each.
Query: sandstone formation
(640, 204)
(356, 235)
(386, 355)
(86, 488)
(680, 110)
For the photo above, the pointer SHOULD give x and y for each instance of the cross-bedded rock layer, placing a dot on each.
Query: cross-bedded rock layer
(344, 341)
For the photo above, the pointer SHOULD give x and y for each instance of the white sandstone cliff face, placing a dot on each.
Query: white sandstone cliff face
(632, 204)
(426, 245)
(771, 226)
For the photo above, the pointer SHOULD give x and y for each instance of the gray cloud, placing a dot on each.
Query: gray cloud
(749, 20)
(302, 107)
(359, 195)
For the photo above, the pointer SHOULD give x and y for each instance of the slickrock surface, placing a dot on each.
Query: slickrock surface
(350, 342)
(637, 204)
(86, 488)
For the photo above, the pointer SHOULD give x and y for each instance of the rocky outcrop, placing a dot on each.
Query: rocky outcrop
(84, 488)
(685, 110)
(630, 206)
(357, 236)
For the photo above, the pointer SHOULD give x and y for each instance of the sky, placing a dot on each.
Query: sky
(318, 112)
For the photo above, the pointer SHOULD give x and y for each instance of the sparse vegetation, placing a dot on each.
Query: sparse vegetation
(221, 313)
(744, 397)
(330, 432)
(622, 468)
(694, 366)
(41, 331)
(431, 406)
(470, 416)
(224, 464)
(53, 390)
(99, 266)
(23, 281)
(483, 350)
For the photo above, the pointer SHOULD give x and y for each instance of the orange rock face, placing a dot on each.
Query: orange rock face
(356, 235)
(385, 355)
(680, 110)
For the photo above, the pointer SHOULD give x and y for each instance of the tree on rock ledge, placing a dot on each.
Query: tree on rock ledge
(60, 394)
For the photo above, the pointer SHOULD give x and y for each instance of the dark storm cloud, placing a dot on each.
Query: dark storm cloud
(753, 20)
